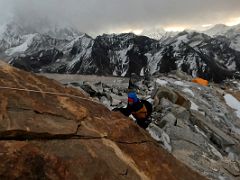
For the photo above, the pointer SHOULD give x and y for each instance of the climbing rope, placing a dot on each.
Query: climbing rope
(49, 93)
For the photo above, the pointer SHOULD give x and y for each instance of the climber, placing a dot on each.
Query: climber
(140, 109)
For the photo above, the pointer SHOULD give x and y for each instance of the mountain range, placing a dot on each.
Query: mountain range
(213, 54)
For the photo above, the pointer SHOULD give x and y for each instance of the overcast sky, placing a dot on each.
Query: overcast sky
(98, 16)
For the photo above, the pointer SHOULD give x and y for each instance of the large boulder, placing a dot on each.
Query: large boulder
(48, 131)
(173, 96)
(215, 134)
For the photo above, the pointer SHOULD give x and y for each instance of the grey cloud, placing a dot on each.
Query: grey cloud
(104, 15)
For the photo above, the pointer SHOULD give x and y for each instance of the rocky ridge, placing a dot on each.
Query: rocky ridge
(49, 131)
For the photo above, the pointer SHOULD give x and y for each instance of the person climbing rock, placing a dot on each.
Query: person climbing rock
(140, 109)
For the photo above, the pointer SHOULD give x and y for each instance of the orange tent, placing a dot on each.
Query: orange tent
(200, 81)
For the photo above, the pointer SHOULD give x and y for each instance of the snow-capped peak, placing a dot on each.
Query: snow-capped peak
(155, 33)
(63, 33)
(158, 33)
(219, 29)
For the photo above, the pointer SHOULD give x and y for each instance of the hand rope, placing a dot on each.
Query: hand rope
(50, 93)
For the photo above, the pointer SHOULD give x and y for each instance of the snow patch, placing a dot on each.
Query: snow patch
(194, 106)
(189, 91)
(180, 83)
(142, 72)
(161, 82)
(159, 135)
(153, 61)
(233, 103)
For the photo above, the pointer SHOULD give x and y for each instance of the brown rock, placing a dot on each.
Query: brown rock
(236, 95)
(173, 96)
(232, 167)
(182, 101)
(48, 131)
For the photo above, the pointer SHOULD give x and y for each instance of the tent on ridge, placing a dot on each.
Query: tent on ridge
(200, 81)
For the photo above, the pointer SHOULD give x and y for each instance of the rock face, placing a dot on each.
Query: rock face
(53, 132)
(198, 124)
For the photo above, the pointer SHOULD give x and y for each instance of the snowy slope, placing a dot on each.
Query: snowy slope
(153, 61)
(26, 42)
(80, 48)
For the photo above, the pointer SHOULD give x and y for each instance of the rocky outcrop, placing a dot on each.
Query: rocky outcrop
(171, 95)
(191, 121)
(48, 131)
(205, 135)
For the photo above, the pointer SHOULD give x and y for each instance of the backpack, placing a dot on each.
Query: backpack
(144, 112)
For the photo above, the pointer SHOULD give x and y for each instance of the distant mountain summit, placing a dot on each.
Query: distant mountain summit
(14, 34)
(155, 33)
(219, 29)
(231, 32)
(158, 33)
(223, 30)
